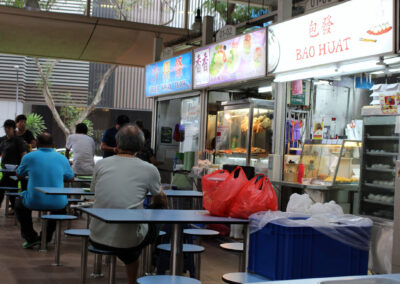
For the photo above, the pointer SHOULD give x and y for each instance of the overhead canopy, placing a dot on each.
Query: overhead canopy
(78, 37)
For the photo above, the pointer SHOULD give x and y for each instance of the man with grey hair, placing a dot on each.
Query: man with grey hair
(123, 181)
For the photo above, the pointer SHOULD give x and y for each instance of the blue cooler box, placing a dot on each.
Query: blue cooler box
(280, 252)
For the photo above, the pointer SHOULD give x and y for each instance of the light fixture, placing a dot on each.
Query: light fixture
(321, 72)
(360, 66)
(227, 116)
(378, 72)
(392, 60)
(322, 82)
(394, 70)
(266, 89)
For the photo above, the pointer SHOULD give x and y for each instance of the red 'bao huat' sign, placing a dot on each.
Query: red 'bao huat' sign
(355, 29)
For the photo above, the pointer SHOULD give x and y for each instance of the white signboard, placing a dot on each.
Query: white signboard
(201, 66)
(354, 29)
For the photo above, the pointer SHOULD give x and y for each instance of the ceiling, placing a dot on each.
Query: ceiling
(78, 37)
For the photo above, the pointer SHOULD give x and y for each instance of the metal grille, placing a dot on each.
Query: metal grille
(129, 89)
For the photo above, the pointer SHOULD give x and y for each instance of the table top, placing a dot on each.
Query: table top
(182, 193)
(8, 171)
(163, 216)
(63, 191)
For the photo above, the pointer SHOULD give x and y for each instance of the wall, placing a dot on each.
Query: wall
(7, 111)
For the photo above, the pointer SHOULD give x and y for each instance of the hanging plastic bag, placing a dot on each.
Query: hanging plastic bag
(226, 192)
(209, 184)
(257, 195)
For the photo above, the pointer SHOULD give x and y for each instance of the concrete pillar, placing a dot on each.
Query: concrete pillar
(207, 30)
(284, 10)
(157, 48)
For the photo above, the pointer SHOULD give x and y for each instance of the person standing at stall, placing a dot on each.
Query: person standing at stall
(24, 133)
(82, 145)
(108, 143)
(12, 149)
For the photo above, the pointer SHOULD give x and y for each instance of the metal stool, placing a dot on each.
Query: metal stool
(84, 234)
(235, 247)
(199, 233)
(8, 189)
(8, 194)
(113, 261)
(242, 277)
(58, 219)
(167, 279)
(187, 248)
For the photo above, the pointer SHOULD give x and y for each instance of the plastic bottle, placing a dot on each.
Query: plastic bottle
(333, 128)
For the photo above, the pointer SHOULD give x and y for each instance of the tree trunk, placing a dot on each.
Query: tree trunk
(49, 98)
(97, 97)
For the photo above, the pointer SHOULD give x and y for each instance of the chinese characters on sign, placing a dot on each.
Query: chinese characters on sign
(169, 76)
(240, 58)
(354, 29)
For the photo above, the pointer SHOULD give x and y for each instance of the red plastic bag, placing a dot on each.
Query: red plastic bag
(209, 184)
(226, 192)
(257, 195)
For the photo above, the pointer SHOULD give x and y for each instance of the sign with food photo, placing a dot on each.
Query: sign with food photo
(240, 58)
(354, 29)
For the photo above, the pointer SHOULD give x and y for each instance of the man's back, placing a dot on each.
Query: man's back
(122, 182)
(45, 168)
(83, 148)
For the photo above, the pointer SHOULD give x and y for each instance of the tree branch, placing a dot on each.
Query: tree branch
(173, 13)
(48, 97)
(97, 97)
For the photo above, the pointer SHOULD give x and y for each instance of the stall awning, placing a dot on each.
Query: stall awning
(77, 37)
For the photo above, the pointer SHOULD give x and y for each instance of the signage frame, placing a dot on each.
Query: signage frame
(189, 90)
(231, 83)
(395, 38)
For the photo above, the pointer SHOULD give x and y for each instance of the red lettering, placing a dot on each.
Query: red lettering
(322, 47)
(298, 54)
(339, 45)
(333, 47)
(305, 54)
(311, 52)
(345, 41)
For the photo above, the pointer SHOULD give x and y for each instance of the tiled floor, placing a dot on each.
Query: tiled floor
(21, 266)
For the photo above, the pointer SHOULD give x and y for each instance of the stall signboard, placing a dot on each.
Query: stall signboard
(173, 75)
(237, 59)
(166, 135)
(354, 29)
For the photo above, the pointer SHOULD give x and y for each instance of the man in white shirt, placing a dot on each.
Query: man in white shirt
(123, 181)
(83, 148)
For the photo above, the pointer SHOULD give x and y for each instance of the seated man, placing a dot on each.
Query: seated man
(45, 167)
(123, 181)
(82, 146)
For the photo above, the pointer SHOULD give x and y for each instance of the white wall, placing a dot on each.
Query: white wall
(7, 111)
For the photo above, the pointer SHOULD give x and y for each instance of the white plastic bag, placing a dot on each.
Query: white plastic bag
(299, 203)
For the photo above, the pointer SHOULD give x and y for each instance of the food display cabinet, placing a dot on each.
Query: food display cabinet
(244, 132)
(378, 167)
(331, 162)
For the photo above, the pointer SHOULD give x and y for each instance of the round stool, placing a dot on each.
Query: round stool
(243, 277)
(236, 248)
(84, 234)
(162, 233)
(167, 279)
(113, 261)
(58, 219)
(186, 248)
(199, 233)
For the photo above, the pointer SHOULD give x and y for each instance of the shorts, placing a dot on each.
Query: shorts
(130, 255)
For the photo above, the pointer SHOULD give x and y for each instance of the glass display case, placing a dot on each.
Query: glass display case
(378, 166)
(244, 132)
(331, 162)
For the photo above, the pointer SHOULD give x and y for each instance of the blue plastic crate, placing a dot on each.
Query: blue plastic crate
(279, 253)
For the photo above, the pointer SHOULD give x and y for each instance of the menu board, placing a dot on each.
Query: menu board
(169, 76)
(237, 59)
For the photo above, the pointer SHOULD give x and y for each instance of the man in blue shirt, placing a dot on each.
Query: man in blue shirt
(47, 168)
(108, 143)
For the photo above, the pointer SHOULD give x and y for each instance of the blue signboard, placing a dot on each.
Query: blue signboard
(169, 76)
